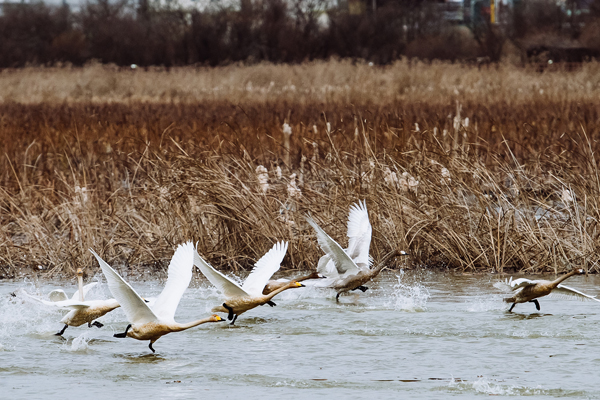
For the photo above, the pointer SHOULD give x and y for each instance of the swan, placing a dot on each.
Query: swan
(526, 290)
(276, 284)
(82, 311)
(359, 241)
(150, 323)
(348, 274)
(239, 299)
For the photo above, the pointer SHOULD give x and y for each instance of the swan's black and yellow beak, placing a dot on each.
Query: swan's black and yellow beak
(298, 284)
(403, 253)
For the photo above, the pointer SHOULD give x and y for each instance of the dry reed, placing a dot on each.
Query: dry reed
(504, 180)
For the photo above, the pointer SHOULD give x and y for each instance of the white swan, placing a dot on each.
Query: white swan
(359, 242)
(82, 310)
(527, 290)
(241, 299)
(151, 323)
(349, 269)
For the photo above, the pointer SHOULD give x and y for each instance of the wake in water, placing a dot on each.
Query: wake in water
(407, 297)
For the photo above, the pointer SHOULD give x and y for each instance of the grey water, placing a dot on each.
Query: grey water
(418, 335)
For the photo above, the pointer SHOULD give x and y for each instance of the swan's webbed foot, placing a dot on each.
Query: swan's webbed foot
(272, 304)
(151, 348)
(62, 331)
(230, 315)
(96, 324)
(361, 288)
(234, 318)
(537, 304)
(511, 307)
(124, 334)
(337, 297)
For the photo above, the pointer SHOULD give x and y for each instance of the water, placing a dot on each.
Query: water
(428, 335)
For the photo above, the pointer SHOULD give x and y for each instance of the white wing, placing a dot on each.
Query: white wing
(510, 286)
(342, 261)
(225, 285)
(180, 275)
(71, 304)
(136, 310)
(327, 268)
(86, 289)
(359, 235)
(521, 283)
(562, 291)
(264, 269)
(58, 295)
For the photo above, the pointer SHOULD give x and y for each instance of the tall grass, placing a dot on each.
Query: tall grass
(501, 180)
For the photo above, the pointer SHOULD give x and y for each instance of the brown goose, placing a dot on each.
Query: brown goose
(526, 290)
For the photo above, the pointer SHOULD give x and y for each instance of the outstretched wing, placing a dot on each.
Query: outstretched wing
(225, 285)
(71, 304)
(264, 269)
(510, 285)
(327, 268)
(178, 280)
(565, 292)
(136, 310)
(359, 235)
(340, 258)
(86, 289)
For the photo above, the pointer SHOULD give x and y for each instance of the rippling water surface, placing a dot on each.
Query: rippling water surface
(424, 335)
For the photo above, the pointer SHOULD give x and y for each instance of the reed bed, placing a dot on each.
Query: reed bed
(492, 179)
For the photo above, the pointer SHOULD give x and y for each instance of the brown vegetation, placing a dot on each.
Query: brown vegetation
(132, 164)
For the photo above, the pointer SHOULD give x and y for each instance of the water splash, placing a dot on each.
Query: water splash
(409, 297)
(493, 387)
(78, 344)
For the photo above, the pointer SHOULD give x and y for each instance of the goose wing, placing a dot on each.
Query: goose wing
(359, 235)
(136, 310)
(178, 280)
(264, 269)
(225, 285)
(565, 292)
(86, 289)
(343, 262)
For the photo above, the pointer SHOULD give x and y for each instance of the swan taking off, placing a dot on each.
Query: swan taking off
(82, 311)
(151, 323)
(526, 290)
(349, 269)
(239, 299)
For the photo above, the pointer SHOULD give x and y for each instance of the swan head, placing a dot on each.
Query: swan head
(296, 284)
(579, 271)
(216, 318)
(403, 253)
(79, 272)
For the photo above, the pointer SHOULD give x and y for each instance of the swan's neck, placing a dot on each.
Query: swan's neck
(281, 289)
(314, 275)
(556, 282)
(384, 261)
(80, 283)
(181, 327)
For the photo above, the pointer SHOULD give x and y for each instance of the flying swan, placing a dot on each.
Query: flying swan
(349, 269)
(151, 323)
(82, 310)
(241, 299)
(526, 290)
